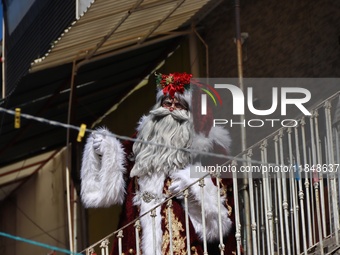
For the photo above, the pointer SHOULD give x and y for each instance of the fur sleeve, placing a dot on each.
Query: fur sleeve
(182, 179)
(102, 177)
(217, 136)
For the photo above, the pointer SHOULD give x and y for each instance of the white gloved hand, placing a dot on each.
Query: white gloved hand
(98, 143)
(176, 186)
(180, 180)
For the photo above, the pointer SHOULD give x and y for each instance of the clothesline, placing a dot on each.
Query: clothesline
(83, 130)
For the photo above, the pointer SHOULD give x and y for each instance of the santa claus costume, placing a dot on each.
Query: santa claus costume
(141, 175)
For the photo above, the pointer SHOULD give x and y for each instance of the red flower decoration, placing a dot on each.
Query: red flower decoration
(173, 82)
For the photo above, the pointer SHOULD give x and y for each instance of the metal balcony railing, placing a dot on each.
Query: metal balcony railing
(286, 191)
(290, 203)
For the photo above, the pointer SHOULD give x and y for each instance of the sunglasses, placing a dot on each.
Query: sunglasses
(174, 104)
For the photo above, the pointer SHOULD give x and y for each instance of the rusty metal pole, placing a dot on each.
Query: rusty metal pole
(194, 59)
(247, 227)
(70, 163)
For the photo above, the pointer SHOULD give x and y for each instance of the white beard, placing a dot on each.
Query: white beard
(164, 127)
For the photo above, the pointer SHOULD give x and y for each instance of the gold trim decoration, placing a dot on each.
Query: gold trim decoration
(178, 234)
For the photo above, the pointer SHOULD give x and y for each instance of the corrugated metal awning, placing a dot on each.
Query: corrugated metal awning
(137, 40)
(111, 25)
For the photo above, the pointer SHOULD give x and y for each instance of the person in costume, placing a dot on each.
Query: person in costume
(140, 176)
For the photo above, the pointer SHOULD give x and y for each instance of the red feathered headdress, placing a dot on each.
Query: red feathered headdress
(173, 82)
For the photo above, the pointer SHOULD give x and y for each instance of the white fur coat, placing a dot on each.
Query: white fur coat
(102, 185)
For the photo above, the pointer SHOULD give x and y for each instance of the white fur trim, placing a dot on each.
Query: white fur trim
(141, 122)
(217, 135)
(202, 143)
(147, 233)
(102, 178)
(220, 136)
(182, 178)
(154, 185)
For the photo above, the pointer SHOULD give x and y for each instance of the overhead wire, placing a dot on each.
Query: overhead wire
(38, 226)
(127, 138)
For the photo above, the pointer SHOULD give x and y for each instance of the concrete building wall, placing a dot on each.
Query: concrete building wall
(296, 39)
(37, 211)
(286, 39)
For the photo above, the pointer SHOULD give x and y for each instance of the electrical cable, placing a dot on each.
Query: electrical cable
(36, 224)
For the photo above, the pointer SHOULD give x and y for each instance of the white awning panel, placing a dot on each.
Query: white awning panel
(109, 25)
